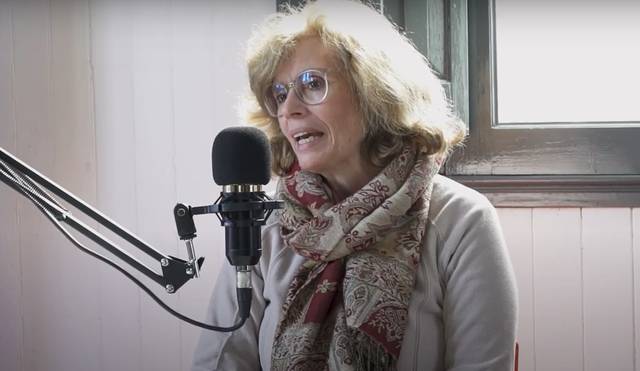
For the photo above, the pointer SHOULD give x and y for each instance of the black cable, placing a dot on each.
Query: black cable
(28, 191)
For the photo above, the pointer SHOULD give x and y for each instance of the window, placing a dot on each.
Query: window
(549, 91)
(569, 154)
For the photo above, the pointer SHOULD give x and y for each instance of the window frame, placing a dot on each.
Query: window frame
(520, 165)
(514, 165)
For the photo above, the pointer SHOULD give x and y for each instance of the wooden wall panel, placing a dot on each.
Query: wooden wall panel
(516, 224)
(32, 105)
(154, 155)
(635, 235)
(195, 110)
(10, 259)
(112, 61)
(608, 289)
(55, 134)
(569, 289)
(557, 289)
(70, 127)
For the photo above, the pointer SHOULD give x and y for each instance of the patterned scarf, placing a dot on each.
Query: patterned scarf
(347, 307)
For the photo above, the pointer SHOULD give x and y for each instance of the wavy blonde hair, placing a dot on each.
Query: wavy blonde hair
(399, 96)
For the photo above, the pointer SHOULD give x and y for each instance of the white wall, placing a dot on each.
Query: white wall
(578, 273)
(119, 101)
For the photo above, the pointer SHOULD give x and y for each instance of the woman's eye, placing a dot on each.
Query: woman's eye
(279, 93)
(280, 98)
(314, 83)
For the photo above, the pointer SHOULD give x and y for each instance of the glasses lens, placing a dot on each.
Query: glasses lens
(312, 87)
(274, 97)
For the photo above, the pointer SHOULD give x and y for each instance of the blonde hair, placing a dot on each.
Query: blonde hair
(399, 96)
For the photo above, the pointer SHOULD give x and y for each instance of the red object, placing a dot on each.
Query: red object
(517, 353)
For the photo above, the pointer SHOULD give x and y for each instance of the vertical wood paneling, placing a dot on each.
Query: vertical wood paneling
(394, 10)
(55, 136)
(608, 292)
(39, 266)
(436, 22)
(76, 306)
(425, 25)
(10, 269)
(516, 224)
(196, 110)
(635, 235)
(155, 169)
(557, 289)
(112, 60)
(459, 58)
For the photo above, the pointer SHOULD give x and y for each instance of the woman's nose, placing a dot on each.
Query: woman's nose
(292, 106)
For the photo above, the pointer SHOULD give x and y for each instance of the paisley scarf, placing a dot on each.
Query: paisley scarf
(347, 306)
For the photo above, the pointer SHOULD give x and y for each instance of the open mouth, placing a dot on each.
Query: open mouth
(307, 137)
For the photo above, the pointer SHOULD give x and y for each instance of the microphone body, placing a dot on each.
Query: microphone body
(242, 229)
(241, 160)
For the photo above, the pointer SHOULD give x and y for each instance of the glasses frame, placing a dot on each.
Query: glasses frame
(291, 85)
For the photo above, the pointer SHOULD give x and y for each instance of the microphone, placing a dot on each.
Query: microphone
(241, 162)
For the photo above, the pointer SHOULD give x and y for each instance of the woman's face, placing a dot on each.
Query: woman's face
(325, 137)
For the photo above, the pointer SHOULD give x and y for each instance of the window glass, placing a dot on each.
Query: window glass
(568, 61)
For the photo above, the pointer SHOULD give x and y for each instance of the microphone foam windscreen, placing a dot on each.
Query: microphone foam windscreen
(241, 155)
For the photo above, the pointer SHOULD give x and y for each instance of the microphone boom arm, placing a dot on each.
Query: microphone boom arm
(175, 272)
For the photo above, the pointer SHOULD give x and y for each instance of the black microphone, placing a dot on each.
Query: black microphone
(241, 161)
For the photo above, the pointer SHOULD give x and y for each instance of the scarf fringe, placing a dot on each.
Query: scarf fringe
(371, 356)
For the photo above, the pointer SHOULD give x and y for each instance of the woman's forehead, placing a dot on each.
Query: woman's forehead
(309, 52)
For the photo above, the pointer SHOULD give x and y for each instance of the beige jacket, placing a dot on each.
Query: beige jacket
(462, 315)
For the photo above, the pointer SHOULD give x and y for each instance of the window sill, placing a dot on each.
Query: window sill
(556, 190)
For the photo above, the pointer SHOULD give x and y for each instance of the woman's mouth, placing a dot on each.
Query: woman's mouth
(306, 137)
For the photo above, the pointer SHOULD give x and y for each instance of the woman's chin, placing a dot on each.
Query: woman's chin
(312, 164)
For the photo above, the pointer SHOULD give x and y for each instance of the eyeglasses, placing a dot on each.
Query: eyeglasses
(311, 87)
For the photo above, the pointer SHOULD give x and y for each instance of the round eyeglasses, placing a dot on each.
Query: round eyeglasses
(310, 86)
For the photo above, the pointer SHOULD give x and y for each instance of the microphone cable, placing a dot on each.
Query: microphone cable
(31, 190)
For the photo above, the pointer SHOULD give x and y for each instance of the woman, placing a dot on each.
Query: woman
(376, 262)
